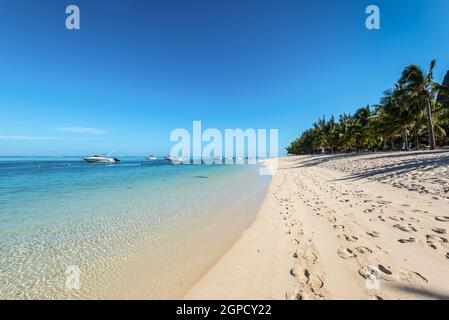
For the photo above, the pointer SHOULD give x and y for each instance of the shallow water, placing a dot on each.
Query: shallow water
(138, 229)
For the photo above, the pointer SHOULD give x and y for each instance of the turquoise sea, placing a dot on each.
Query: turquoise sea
(137, 229)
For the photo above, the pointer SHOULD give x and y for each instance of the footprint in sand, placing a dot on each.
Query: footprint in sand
(363, 250)
(409, 240)
(302, 295)
(442, 219)
(349, 238)
(306, 255)
(405, 228)
(293, 295)
(305, 277)
(339, 227)
(431, 237)
(396, 218)
(376, 273)
(447, 255)
(435, 241)
(385, 270)
(373, 234)
(346, 253)
(439, 230)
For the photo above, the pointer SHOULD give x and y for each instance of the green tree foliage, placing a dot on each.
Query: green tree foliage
(408, 116)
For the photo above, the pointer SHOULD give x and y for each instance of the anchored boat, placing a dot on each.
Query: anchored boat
(101, 159)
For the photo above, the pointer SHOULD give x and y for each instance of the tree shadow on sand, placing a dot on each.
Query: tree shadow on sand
(407, 165)
(419, 291)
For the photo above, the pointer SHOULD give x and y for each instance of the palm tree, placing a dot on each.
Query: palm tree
(332, 132)
(418, 87)
(346, 133)
(360, 128)
(442, 108)
(416, 104)
(320, 128)
(402, 114)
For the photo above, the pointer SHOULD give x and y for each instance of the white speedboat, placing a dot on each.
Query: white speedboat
(101, 159)
(152, 158)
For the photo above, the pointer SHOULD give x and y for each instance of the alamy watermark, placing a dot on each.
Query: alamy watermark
(372, 277)
(372, 22)
(73, 20)
(72, 281)
(238, 147)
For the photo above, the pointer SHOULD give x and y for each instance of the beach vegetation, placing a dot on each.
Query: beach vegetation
(410, 115)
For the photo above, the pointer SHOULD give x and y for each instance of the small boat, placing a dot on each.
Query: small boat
(152, 158)
(101, 159)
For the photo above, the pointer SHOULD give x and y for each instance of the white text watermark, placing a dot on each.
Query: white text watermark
(238, 147)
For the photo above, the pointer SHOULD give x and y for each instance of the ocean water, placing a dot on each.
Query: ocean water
(139, 229)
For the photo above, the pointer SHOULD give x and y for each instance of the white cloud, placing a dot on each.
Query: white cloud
(86, 130)
(27, 138)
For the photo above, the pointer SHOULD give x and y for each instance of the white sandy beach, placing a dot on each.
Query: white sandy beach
(327, 222)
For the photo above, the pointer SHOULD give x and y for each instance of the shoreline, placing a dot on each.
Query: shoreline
(236, 275)
(169, 270)
(326, 220)
(151, 232)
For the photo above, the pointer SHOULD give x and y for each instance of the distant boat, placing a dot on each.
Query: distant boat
(101, 159)
(152, 158)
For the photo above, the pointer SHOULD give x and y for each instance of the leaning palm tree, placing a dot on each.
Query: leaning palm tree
(419, 88)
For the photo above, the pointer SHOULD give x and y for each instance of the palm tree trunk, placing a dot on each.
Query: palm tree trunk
(430, 124)
(416, 138)
(405, 139)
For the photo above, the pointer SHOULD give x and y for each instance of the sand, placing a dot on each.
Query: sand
(360, 226)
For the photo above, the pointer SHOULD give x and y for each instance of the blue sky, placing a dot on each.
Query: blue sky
(138, 69)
